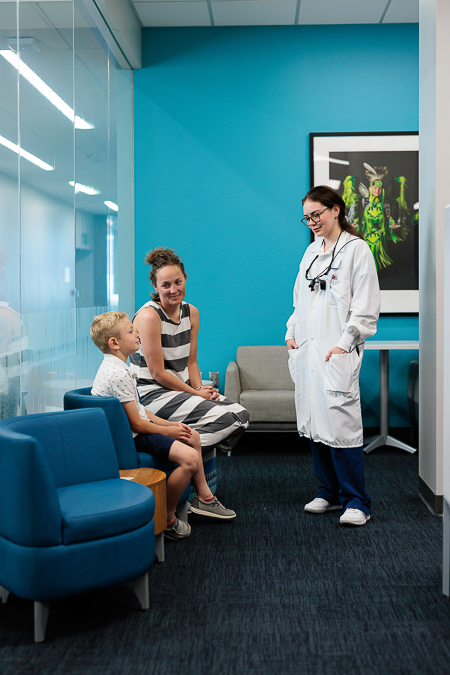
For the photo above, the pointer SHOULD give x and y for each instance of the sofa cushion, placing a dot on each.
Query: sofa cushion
(264, 367)
(103, 509)
(269, 406)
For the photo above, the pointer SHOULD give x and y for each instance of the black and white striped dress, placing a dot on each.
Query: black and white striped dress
(214, 420)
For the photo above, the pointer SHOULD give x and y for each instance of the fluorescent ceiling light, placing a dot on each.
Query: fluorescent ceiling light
(26, 155)
(111, 205)
(84, 188)
(44, 89)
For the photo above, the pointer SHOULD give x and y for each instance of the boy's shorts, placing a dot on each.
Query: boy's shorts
(156, 445)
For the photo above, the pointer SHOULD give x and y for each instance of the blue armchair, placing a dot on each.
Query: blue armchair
(68, 523)
(127, 456)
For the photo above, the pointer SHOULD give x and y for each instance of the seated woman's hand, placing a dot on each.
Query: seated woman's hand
(214, 392)
(207, 392)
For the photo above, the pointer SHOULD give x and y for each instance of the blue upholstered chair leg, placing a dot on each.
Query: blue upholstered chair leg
(182, 511)
(41, 610)
(4, 594)
(140, 587)
(159, 547)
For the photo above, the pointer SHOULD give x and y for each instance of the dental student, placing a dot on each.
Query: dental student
(336, 306)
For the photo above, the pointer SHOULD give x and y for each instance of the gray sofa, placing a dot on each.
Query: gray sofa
(259, 380)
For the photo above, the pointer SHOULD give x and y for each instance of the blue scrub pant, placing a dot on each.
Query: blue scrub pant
(341, 475)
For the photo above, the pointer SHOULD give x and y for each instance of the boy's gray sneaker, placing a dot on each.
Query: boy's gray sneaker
(213, 509)
(179, 530)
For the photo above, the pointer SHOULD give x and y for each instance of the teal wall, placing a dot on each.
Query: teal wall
(222, 117)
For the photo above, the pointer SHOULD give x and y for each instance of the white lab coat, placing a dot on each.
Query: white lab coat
(343, 315)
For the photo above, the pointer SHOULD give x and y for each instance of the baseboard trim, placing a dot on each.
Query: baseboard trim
(267, 427)
(446, 561)
(434, 502)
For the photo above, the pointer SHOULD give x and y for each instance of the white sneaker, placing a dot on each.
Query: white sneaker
(319, 505)
(354, 517)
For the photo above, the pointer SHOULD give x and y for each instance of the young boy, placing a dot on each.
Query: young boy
(114, 335)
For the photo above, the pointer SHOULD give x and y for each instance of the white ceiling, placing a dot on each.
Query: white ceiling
(49, 23)
(273, 12)
(44, 131)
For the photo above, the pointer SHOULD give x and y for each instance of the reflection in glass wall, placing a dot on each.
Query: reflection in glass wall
(12, 336)
(58, 190)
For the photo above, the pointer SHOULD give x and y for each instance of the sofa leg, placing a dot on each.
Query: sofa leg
(3, 595)
(41, 610)
(140, 587)
(182, 511)
(159, 547)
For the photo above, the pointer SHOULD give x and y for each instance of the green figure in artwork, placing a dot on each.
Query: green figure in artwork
(369, 211)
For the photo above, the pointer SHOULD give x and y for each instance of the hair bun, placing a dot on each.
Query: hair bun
(161, 257)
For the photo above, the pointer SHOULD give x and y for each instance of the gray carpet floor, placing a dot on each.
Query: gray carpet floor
(274, 591)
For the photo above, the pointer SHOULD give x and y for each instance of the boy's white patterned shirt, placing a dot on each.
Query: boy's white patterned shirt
(115, 379)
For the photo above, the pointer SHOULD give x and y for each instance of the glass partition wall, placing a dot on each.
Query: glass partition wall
(59, 215)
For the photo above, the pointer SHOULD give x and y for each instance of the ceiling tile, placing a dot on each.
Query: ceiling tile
(341, 11)
(59, 14)
(28, 17)
(179, 13)
(137, 2)
(24, 1)
(253, 12)
(402, 11)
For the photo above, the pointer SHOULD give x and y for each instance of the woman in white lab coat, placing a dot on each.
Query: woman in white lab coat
(337, 304)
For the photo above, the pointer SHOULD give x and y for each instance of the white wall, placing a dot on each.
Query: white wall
(434, 187)
(446, 426)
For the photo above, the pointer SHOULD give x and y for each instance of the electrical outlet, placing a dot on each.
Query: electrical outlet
(214, 377)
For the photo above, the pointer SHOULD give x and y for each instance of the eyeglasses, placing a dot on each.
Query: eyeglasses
(314, 218)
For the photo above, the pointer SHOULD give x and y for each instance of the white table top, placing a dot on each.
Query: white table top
(391, 344)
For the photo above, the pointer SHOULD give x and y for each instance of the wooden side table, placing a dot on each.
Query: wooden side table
(156, 481)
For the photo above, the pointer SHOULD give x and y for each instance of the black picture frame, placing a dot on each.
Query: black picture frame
(378, 174)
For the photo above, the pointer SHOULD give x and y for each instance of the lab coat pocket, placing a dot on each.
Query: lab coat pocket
(339, 373)
(292, 354)
(339, 293)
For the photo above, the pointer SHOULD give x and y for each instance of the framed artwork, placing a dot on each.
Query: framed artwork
(377, 175)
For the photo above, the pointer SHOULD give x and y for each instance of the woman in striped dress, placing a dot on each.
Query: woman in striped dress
(168, 376)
